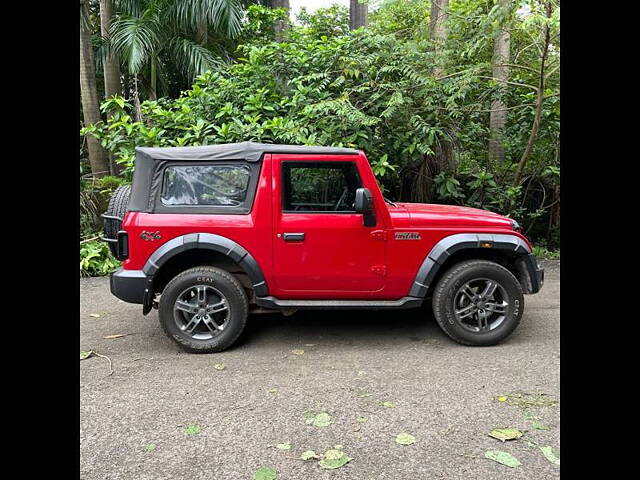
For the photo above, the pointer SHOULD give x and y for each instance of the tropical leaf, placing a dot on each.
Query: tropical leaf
(136, 39)
(222, 15)
(190, 57)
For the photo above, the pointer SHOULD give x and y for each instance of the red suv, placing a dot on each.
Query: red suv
(210, 234)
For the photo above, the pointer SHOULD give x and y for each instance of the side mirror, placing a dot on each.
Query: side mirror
(364, 205)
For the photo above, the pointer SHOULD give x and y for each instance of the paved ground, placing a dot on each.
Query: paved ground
(445, 395)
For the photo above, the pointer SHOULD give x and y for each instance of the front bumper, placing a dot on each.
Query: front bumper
(129, 285)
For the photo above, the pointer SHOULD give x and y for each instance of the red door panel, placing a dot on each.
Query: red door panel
(337, 258)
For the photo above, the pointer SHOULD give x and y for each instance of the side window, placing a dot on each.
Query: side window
(214, 185)
(319, 186)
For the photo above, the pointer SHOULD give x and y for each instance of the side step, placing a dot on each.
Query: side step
(278, 304)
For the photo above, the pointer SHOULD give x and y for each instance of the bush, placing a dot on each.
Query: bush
(96, 259)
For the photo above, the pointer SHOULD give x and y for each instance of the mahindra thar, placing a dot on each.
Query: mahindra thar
(210, 234)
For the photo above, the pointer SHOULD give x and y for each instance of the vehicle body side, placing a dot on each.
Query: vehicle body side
(340, 258)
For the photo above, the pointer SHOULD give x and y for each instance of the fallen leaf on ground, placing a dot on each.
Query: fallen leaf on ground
(361, 419)
(219, 366)
(297, 351)
(150, 447)
(309, 455)
(283, 446)
(94, 315)
(193, 429)
(320, 419)
(334, 458)
(265, 473)
(502, 398)
(504, 434)
(502, 457)
(118, 335)
(529, 400)
(388, 404)
(273, 390)
(405, 439)
(539, 426)
(551, 454)
(91, 353)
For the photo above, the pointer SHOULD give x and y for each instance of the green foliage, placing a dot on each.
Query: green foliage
(543, 252)
(96, 259)
(374, 89)
(329, 21)
(259, 25)
(89, 212)
(106, 185)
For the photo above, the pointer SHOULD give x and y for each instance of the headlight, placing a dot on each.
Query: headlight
(515, 226)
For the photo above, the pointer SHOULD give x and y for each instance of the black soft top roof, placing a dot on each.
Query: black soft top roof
(248, 151)
(147, 177)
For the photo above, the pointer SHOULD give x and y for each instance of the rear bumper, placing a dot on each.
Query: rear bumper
(129, 285)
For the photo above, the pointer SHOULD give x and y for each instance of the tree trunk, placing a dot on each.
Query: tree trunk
(438, 31)
(111, 64)
(110, 68)
(358, 14)
(153, 84)
(442, 158)
(202, 34)
(89, 94)
(281, 25)
(136, 100)
(539, 100)
(498, 115)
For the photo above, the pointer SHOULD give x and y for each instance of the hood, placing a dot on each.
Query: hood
(433, 215)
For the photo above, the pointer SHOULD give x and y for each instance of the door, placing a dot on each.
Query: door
(321, 247)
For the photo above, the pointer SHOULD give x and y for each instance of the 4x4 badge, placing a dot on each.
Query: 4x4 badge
(151, 236)
(407, 236)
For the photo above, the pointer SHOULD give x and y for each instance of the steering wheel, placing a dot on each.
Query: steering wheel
(341, 199)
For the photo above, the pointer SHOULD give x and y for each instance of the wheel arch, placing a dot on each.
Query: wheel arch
(507, 250)
(185, 251)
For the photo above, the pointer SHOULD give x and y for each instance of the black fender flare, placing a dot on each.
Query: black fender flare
(451, 244)
(214, 242)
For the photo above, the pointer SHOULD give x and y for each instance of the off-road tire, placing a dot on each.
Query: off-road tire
(223, 281)
(117, 207)
(456, 277)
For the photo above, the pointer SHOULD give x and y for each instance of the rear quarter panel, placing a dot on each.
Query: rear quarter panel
(252, 231)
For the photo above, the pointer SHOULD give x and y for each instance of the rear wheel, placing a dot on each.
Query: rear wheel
(478, 302)
(203, 309)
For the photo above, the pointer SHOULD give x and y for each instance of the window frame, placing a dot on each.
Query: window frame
(245, 208)
(309, 164)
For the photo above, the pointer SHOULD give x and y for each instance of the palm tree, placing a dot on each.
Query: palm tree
(89, 93)
(110, 62)
(151, 36)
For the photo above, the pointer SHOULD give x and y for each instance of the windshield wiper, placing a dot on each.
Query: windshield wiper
(389, 201)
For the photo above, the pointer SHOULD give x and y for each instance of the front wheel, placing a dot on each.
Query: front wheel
(203, 309)
(478, 302)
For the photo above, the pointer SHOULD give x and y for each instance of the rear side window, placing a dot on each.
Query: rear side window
(319, 187)
(207, 185)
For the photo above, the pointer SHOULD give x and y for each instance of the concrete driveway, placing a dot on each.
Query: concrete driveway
(444, 394)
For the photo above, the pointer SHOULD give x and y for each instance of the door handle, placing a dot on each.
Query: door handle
(293, 237)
